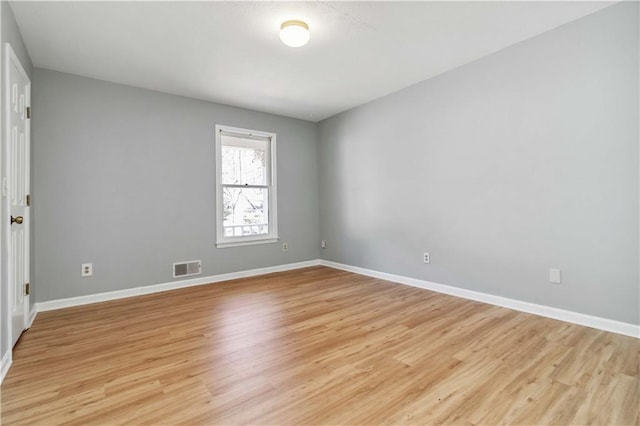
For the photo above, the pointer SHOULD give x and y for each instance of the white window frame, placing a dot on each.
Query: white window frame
(272, 235)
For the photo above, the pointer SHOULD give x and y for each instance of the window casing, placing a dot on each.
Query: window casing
(245, 187)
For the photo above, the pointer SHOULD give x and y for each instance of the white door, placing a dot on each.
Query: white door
(18, 92)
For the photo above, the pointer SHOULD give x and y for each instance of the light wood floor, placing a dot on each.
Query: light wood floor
(316, 346)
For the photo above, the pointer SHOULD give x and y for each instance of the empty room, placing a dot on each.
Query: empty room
(320, 213)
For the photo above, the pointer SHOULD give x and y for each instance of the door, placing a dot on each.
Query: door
(18, 93)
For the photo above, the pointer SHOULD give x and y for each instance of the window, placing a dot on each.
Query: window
(245, 187)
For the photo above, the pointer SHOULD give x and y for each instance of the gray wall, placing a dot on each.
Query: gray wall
(124, 178)
(10, 34)
(521, 161)
(524, 160)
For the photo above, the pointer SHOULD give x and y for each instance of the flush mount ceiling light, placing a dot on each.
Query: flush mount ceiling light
(294, 33)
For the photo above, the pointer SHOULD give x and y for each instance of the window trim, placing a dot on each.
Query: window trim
(272, 235)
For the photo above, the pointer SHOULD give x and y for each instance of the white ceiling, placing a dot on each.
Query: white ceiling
(229, 52)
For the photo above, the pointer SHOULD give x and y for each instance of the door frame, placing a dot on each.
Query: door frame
(10, 58)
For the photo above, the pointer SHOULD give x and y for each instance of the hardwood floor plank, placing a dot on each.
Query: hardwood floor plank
(316, 346)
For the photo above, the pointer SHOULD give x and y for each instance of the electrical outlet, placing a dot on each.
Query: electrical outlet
(426, 258)
(555, 276)
(323, 244)
(87, 270)
(285, 246)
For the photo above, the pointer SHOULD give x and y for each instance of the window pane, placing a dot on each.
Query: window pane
(241, 165)
(245, 211)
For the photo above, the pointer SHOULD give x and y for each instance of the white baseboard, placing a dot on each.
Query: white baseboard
(32, 315)
(7, 359)
(531, 308)
(137, 291)
(5, 363)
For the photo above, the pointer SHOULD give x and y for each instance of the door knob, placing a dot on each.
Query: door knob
(18, 220)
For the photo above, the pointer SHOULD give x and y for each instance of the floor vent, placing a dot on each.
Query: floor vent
(184, 269)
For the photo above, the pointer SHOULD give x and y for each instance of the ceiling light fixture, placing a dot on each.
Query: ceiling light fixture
(294, 33)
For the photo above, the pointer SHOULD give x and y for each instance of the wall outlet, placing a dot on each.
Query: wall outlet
(555, 276)
(426, 258)
(285, 246)
(87, 270)
(323, 244)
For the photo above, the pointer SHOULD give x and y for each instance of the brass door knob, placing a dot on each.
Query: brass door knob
(18, 220)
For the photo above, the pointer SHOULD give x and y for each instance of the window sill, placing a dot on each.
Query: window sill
(247, 243)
